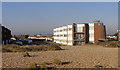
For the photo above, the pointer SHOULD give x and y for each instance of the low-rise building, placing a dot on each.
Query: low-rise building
(80, 33)
(41, 37)
(6, 35)
(111, 37)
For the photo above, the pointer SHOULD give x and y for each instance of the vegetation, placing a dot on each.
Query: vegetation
(33, 65)
(27, 54)
(34, 48)
(109, 44)
(26, 36)
(57, 61)
(98, 66)
(43, 65)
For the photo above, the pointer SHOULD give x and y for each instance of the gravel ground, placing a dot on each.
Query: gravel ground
(72, 57)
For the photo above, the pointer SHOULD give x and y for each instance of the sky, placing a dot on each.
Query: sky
(43, 17)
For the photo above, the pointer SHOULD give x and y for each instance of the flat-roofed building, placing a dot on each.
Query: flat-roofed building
(97, 31)
(5, 35)
(80, 33)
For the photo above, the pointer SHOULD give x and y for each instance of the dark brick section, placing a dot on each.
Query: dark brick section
(6, 35)
(86, 33)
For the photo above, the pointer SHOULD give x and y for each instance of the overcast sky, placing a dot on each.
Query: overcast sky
(43, 17)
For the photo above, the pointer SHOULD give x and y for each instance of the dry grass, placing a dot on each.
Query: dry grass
(109, 44)
(43, 65)
(33, 65)
(34, 48)
(98, 66)
(27, 54)
(57, 61)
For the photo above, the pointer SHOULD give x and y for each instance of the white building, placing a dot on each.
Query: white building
(63, 35)
(79, 34)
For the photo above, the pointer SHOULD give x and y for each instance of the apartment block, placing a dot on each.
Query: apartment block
(80, 33)
(5, 35)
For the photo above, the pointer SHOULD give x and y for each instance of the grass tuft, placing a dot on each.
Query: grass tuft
(27, 54)
(57, 61)
(98, 66)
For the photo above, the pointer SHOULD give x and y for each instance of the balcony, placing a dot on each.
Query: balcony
(79, 39)
(79, 32)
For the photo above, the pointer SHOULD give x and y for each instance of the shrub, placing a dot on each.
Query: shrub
(6, 50)
(34, 66)
(44, 65)
(27, 55)
(57, 61)
(109, 44)
(17, 48)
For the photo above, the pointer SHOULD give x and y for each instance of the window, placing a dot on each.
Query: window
(65, 35)
(80, 29)
(70, 29)
(65, 29)
(57, 35)
(60, 30)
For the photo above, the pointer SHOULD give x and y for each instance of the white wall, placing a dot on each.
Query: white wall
(63, 38)
(91, 32)
(69, 34)
(80, 27)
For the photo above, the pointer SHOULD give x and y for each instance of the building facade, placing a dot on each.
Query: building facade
(0, 35)
(41, 37)
(80, 34)
(118, 35)
(5, 35)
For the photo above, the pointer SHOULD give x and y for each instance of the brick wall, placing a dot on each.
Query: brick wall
(99, 32)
